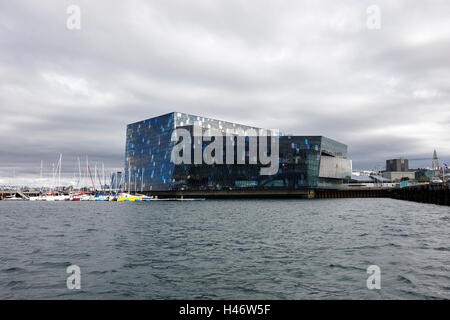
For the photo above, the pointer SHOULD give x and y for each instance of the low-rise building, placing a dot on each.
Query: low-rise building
(363, 173)
(424, 173)
(399, 175)
(370, 181)
(397, 165)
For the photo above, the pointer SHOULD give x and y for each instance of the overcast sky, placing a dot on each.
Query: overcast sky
(304, 67)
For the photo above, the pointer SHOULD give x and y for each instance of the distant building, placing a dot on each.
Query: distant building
(116, 181)
(435, 162)
(424, 173)
(397, 165)
(447, 177)
(399, 175)
(408, 183)
(397, 170)
(364, 173)
(370, 181)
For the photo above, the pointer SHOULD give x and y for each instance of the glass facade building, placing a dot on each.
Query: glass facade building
(303, 161)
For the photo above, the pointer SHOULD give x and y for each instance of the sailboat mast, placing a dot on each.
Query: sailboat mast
(129, 176)
(40, 175)
(53, 175)
(95, 173)
(110, 183)
(87, 171)
(59, 173)
(90, 174)
(104, 177)
(79, 173)
(142, 180)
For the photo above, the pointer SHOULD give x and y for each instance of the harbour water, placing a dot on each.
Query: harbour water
(225, 249)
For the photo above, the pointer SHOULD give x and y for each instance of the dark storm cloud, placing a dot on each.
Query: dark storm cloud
(305, 67)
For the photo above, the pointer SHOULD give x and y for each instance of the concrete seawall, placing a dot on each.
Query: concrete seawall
(274, 194)
(426, 194)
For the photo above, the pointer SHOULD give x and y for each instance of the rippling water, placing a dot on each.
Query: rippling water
(231, 249)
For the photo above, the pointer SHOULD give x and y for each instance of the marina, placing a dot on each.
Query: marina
(121, 197)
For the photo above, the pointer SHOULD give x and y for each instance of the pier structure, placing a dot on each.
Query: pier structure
(433, 194)
(19, 194)
(275, 194)
(422, 193)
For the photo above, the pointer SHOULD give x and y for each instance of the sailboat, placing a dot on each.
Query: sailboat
(56, 172)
